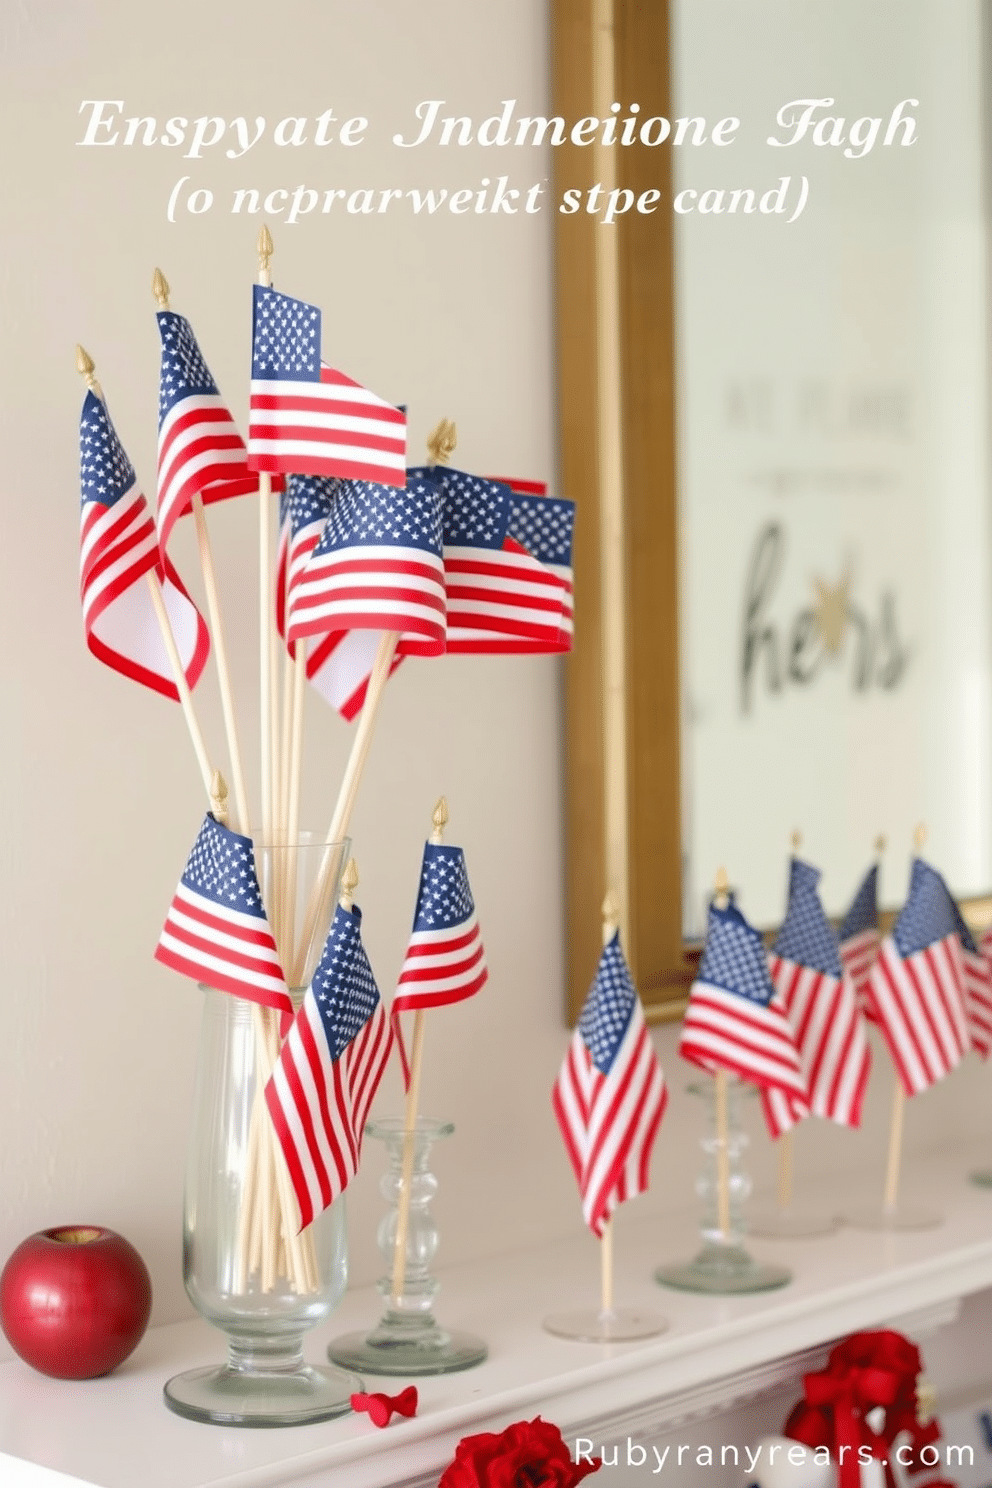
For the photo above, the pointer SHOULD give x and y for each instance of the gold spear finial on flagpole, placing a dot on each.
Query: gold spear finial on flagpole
(349, 883)
(218, 798)
(266, 248)
(796, 840)
(920, 837)
(86, 367)
(440, 820)
(610, 910)
(721, 886)
(160, 289)
(441, 442)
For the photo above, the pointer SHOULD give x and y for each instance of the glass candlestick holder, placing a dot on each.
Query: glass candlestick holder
(723, 1264)
(408, 1340)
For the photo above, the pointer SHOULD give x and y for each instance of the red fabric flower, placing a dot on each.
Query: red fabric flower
(528, 1454)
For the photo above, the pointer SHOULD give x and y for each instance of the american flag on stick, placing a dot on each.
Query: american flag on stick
(819, 999)
(917, 985)
(445, 961)
(216, 930)
(377, 566)
(307, 418)
(545, 526)
(338, 665)
(200, 452)
(118, 550)
(859, 937)
(328, 1070)
(499, 597)
(977, 989)
(610, 1094)
(736, 1022)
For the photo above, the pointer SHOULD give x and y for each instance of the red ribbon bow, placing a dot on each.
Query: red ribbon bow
(381, 1407)
(864, 1372)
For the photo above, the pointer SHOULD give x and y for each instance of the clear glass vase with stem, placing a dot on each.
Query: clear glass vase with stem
(246, 1269)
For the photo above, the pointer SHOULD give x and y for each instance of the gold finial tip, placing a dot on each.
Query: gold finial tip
(349, 879)
(611, 907)
(266, 247)
(721, 883)
(441, 442)
(797, 841)
(439, 819)
(880, 843)
(920, 837)
(84, 362)
(218, 796)
(160, 289)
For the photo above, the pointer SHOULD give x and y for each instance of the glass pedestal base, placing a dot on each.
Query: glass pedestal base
(723, 1269)
(401, 1346)
(892, 1217)
(619, 1325)
(982, 1179)
(790, 1224)
(224, 1396)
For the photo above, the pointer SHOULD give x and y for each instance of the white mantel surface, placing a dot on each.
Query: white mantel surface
(117, 1433)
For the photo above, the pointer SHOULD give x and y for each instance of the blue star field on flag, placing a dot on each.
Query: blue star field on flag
(286, 337)
(545, 526)
(343, 985)
(369, 514)
(609, 1008)
(445, 898)
(184, 372)
(221, 867)
(806, 936)
(863, 913)
(734, 956)
(105, 472)
(930, 913)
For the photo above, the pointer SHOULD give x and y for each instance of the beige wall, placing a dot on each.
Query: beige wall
(101, 797)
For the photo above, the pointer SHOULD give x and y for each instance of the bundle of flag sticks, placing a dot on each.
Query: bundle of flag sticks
(369, 563)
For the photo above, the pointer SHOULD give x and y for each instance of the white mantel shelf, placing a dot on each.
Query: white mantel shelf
(117, 1433)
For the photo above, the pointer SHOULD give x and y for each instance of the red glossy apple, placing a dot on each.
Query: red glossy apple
(74, 1301)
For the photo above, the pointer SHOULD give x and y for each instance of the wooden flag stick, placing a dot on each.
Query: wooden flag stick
(784, 1144)
(722, 1125)
(266, 709)
(160, 289)
(895, 1148)
(611, 923)
(440, 446)
(440, 820)
(293, 765)
(85, 366)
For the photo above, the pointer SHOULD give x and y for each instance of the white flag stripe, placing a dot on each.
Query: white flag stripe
(339, 392)
(209, 963)
(291, 415)
(250, 923)
(612, 1135)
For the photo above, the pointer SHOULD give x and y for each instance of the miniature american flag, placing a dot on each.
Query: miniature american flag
(200, 451)
(307, 418)
(499, 597)
(378, 566)
(610, 1094)
(829, 1030)
(917, 985)
(859, 937)
(736, 1022)
(216, 930)
(445, 961)
(118, 548)
(328, 1070)
(977, 989)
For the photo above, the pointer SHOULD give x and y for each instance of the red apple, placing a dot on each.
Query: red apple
(74, 1301)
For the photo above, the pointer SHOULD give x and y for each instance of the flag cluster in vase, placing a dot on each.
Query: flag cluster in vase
(917, 987)
(119, 555)
(859, 938)
(820, 1003)
(610, 1094)
(736, 1021)
(445, 961)
(335, 1046)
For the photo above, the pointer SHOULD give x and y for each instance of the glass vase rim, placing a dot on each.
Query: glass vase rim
(434, 1127)
(264, 842)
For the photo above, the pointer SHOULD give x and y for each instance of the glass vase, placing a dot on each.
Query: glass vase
(245, 1267)
(408, 1340)
(723, 1264)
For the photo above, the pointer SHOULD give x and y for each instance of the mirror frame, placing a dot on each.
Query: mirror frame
(616, 357)
(614, 289)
